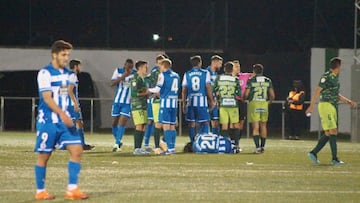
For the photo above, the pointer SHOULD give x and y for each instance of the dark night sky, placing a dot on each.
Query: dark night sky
(254, 26)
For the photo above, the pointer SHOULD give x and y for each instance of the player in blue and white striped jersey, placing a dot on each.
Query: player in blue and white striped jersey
(168, 86)
(196, 91)
(54, 125)
(74, 104)
(211, 143)
(121, 105)
(216, 64)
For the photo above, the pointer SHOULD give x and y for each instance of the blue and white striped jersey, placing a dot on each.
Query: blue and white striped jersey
(73, 80)
(168, 82)
(213, 75)
(212, 143)
(122, 90)
(195, 80)
(55, 80)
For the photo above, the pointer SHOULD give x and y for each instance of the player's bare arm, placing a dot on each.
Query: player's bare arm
(55, 108)
(73, 99)
(271, 95)
(314, 98)
(352, 104)
(210, 96)
(183, 97)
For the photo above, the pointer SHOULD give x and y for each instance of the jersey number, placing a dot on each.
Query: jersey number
(208, 142)
(195, 84)
(175, 85)
(44, 138)
(227, 91)
(260, 92)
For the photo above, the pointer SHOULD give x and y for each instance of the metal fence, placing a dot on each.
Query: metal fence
(29, 106)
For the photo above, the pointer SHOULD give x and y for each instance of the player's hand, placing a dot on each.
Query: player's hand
(66, 119)
(157, 95)
(211, 105)
(310, 109)
(352, 104)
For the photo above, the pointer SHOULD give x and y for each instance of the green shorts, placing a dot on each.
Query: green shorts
(139, 117)
(228, 115)
(328, 115)
(258, 111)
(156, 109)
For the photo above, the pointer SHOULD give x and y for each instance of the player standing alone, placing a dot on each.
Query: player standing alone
(74, 104)
(168, 85)
(328, 90)
(121, 105)
(260, 93)
(54, 126)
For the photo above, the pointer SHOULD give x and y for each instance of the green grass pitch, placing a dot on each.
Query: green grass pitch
(282, 174)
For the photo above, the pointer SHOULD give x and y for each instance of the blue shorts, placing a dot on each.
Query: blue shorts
(197, 114)
(214, 114)
(149, 110)
(120, 109)
(168, 116)
(48, 135)
(74, 115)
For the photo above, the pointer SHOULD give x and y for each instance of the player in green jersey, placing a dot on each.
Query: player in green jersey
(260, 93)
(226, 87)
(328, 90)
(139, 105)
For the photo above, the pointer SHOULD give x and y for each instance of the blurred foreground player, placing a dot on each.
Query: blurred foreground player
(54, 126)
(328, 90)
(74, 104)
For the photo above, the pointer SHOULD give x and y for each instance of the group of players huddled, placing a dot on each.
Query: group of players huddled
(151, 99)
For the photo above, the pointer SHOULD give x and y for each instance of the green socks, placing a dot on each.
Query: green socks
(157, 133)
(321, 143)
(256, 140)
(263, 141)
(138, 138)
(225, 133)
(333, 146)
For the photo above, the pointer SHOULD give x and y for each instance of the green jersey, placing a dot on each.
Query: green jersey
(259, 87)
(152, 78)
(330, 85)
(138, 85)
(227, 87)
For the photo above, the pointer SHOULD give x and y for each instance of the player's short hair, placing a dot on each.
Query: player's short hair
(195, 60)
(139, 63)
(236, 61)
(73, 63)
(216, 58)
(188, 148)
(160, 57)
(335, 63)
(60, 45)
(258, 69)
(129, 61)
(228, 67)
(166, 62)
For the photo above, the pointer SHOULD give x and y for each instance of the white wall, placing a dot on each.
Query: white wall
(99, 63)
